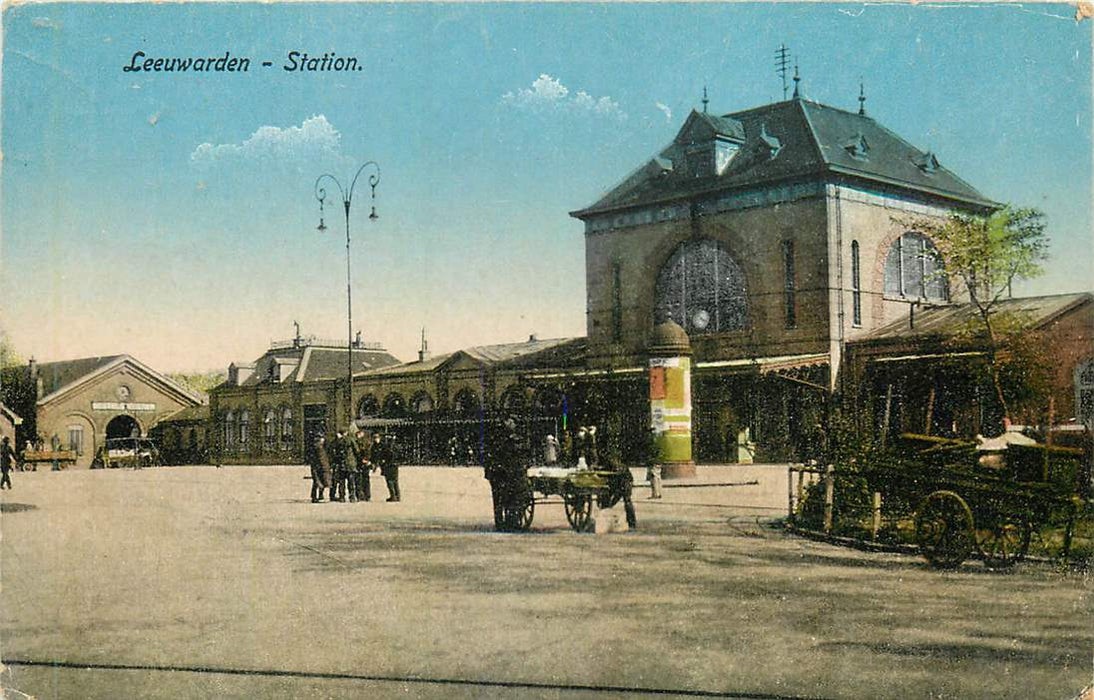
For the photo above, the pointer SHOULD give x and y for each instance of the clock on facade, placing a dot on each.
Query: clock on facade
(700, 319)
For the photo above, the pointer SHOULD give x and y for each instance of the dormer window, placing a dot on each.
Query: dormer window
(857, 147)
(724, 151)
(768, 143)
(928, 163)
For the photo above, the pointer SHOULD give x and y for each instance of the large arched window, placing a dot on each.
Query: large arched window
(269, 428)
(913, 269)
(702, 289)
(368, 407)
(421, 403)
(244, 427)
(286, 427)
(230, 429)
(394, 406)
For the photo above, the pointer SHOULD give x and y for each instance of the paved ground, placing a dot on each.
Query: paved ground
(201, 582)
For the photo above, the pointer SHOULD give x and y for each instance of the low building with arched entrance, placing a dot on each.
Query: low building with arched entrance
(79, 404)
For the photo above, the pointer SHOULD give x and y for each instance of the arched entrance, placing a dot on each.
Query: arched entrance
(122, 427)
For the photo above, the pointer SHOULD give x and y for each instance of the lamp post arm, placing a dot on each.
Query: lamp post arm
(373, 178)
(321, 192)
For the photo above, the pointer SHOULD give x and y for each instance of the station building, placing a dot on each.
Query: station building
(763, 245)
(79, 404)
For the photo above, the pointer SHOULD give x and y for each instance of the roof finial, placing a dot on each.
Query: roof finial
(782, 60)
(796, 78)
(705, 100)
(861, 98)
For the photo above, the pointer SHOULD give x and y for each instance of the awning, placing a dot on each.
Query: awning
(927, 356)
(768, 364)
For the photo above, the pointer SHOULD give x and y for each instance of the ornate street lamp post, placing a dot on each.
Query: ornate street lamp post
(347, 200)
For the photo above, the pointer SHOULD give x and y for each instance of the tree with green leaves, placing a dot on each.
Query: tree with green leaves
(986, 254)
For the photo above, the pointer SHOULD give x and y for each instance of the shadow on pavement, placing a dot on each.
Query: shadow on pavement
(16, 507)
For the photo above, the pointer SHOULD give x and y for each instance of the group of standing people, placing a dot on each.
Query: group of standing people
(344, 466)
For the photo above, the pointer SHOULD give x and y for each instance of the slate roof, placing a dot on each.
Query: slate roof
(810, 141)
(190, 413)
(55, 375)
(951, 320)
(317, 363)
(551, 352)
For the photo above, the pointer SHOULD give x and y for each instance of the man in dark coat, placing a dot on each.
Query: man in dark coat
(621, 484)
(506, 473)
(7, 462)
(353, 466)
(338, 467)
(383, 455)
(320, 469)
(366, 462)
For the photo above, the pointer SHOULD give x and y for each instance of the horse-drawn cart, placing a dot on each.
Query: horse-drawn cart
(575, 488)
(970, 501)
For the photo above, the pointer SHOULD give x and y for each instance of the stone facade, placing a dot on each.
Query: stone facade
(79, 404)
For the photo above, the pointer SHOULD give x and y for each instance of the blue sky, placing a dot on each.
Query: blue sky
(123, 233)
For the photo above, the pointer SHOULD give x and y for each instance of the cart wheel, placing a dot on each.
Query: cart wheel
(528, 513)
(944, 529)
(579, 511)
(1005, 544)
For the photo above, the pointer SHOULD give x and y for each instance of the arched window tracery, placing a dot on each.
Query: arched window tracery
(702, 288)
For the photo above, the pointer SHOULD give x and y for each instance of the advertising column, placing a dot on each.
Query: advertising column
(670, 399)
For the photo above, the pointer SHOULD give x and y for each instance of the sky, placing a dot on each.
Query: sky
(172, 216)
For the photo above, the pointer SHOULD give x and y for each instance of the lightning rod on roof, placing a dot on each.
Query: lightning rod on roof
(782, 60)
(796, 78)
(705, 100)
(861, 98)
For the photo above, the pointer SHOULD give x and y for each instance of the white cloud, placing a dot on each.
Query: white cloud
(549, 94)
(315, 136)
(665, 108)
(44, 23)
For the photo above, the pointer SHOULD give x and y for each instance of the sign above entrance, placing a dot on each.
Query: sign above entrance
(121, 406)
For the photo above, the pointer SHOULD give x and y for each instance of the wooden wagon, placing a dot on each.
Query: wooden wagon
(574, 488)
(970, 504)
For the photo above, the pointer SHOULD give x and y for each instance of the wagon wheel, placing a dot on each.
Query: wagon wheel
(1006, 543)
(579, 510)
(523, 516)
(944, 529)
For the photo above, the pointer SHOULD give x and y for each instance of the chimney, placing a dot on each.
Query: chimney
(357, 340)
(532, 338)
(423, 352)
(35, 380)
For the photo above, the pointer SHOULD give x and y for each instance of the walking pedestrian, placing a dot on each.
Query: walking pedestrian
(7, 462)
(320, 469)
(622, 485)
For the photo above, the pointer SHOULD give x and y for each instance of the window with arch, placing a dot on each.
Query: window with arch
(467, 404)
(421, 403)
(368, 407)
(286, 427)
(1084, 393)
(244, 427)
(269, 428)
(230, 429)
(702, 288)
(394, 406)
(913, 269)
